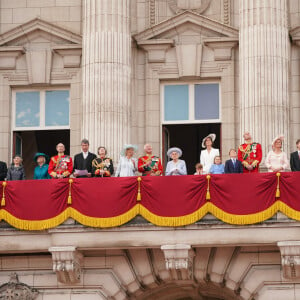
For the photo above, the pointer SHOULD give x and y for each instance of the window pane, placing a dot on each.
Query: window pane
(176, 104)
(57, 108)
(207, 101)
(27, 109)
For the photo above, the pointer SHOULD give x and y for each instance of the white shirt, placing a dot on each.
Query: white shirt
(207, 159)
(85, 154)
(126, 167)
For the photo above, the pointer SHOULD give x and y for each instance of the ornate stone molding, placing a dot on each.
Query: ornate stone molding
(9, 55)
(222, 47)
(179, 260)
(290, 259)
(15, 290)
(71, 54)
(66, 264)
(156, 49)
(152, 12)
(197, 6)
(226, 12)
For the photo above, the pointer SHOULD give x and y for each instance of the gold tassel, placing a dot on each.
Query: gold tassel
(4, 184)
(207, 190)
(70, 194)
(139, 196)
(278, 189)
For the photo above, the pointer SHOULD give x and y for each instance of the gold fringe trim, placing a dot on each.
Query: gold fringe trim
(138, 209)
(35, 225)
(214, 210)
(4, 184)
(105, 222)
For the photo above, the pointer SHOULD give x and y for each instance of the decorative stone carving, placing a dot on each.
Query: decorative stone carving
(295, 35)
(66, 264)
(222, 47)
(179, 260)
(156, 49)
(15, 290)
(9, 55)
(290, 259)
(71, 55)
(197, 6)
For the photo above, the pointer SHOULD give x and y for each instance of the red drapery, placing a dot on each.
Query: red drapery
(165, 201)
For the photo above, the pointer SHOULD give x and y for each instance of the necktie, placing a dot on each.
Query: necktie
(234, 163)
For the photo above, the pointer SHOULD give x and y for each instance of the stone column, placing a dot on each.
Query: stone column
(106, 65)
(264, 70)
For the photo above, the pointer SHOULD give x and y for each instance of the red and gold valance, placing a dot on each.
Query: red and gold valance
(164, 201)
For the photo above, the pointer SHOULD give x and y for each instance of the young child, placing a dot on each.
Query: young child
(233, 165)
(199, 169)
(217, 167)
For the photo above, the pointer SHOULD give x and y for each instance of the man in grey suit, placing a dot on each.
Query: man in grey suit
(295, 158)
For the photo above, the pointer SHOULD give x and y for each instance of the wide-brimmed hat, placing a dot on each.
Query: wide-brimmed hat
(212, 136)
(38, 154)
(279, 137)
(174, 149)
(128, 146)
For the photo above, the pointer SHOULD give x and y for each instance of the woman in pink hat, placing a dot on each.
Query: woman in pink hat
(276, 160)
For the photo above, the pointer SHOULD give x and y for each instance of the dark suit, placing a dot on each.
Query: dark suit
(230, 168)
(84, 164)
(295, 161)
(3, 170)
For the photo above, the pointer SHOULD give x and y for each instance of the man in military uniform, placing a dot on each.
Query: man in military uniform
(250, 154)
(150, 165)
(61, 165)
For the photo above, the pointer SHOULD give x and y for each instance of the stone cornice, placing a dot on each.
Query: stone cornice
(222, 46)
(183, 18)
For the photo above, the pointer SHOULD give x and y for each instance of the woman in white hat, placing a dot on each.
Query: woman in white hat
(276, 159)
(175, 166)
(208, 155)
(128, 164)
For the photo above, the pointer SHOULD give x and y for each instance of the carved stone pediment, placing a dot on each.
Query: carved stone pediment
(184, 22)
(15, 290)
(35, 44)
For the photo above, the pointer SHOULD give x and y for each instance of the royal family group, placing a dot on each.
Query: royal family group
(86, 164)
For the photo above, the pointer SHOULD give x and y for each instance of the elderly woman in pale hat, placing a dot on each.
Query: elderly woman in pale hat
(276, 159)
(128, 164)
(208, 155)
(175, 166)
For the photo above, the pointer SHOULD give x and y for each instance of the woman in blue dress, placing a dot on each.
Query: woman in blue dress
(41, 170)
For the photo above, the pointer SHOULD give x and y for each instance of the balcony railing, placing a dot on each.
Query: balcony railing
(164, 201)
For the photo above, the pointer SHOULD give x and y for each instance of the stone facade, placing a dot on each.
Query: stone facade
(114, 56)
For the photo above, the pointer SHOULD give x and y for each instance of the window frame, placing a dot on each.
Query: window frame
(42, 92)
(191, 102)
